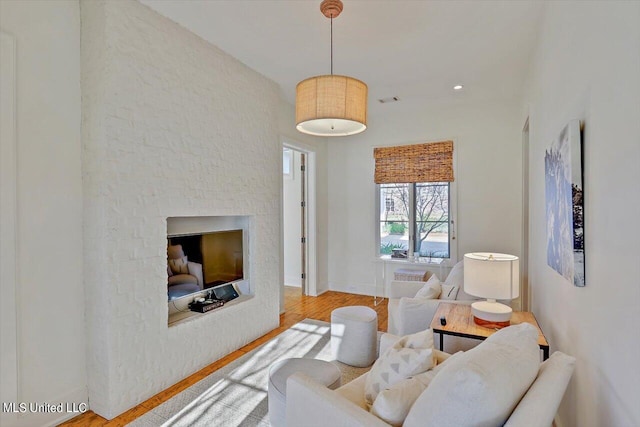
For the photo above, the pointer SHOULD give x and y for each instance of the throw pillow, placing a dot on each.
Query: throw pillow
(431, 289)
(179, 265)
(449, 292)
(411, 355)
(393, 404)
(482, 386)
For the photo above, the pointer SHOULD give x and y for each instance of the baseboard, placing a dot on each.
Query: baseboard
(73, 404)
(556, 422)
(360, 289)
(321, 292)
(294, 281)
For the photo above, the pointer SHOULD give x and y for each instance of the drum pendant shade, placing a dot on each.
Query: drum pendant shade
(331, 105)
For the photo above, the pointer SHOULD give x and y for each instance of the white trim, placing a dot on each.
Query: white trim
(9, 226)
(453, 212)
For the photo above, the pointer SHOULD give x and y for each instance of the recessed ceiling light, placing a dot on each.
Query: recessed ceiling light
(457, 87)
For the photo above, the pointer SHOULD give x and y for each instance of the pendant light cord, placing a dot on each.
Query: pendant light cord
(332, 44)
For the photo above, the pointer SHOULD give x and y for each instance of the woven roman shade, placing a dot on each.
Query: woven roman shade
(430, 162)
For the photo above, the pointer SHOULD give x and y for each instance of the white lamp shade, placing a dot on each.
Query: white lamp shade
(492, 275)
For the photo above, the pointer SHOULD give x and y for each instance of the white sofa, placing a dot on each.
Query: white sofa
(310, 404)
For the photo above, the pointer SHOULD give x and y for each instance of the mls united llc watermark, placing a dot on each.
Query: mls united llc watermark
(35, 407)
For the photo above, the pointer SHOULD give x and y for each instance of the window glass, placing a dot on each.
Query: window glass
(287, 162)
(432, 219)
(420, 211)
(394, 217)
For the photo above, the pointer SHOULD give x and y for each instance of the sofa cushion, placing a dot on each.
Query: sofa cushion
(482, 386)
(411, 355)
(393, 404)
(179, 265)
(431, 288)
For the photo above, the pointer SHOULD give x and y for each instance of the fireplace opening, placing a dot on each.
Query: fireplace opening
(206, 256)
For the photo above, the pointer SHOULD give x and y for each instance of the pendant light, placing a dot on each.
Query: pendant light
(331, 105)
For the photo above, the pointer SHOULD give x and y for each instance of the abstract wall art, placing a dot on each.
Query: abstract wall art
(565, 204)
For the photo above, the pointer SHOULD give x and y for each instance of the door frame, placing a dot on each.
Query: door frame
(310, 219)
(525, 288)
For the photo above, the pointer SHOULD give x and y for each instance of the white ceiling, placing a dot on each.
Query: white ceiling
(416, 50)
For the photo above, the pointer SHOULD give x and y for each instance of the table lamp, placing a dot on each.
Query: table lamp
(492, 276)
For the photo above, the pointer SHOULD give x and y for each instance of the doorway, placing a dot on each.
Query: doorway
(298, 219)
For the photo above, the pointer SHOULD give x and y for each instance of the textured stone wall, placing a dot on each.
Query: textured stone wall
(172, 127)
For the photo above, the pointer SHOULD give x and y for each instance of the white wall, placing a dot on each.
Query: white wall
(587, 66)
(292, 229)
(172, 127)
(49, 326)
(487, 142)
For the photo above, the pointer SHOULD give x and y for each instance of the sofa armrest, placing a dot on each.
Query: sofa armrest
(354, 391)
(402, 288)
(311, 404)
(539, 405)
(195, 269)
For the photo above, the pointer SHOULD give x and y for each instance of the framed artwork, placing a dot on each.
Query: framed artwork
(565, 204)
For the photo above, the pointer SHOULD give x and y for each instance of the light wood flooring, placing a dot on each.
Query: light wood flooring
(297, 308)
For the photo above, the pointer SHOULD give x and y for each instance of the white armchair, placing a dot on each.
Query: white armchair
(408, 314)
(181, 284)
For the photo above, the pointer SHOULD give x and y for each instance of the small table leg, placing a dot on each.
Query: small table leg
(545, 353)
(441, 341)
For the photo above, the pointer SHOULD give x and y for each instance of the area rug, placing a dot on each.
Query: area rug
(236, 395)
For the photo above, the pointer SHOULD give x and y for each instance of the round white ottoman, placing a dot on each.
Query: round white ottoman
(354, 332)
(322, 372)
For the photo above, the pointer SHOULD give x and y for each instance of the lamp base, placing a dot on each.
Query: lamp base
(491, 314)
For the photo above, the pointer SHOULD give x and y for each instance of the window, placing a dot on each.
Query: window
(414, 200)
(416, 215)
(287, 163)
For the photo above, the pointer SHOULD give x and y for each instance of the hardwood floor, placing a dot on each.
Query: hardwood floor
(297, 308)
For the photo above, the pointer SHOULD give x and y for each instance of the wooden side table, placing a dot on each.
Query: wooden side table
(460, 324)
